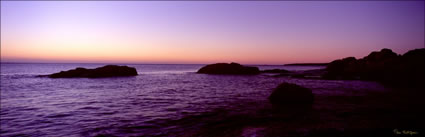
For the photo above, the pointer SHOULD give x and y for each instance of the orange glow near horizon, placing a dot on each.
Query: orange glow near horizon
(198, 33)
(79, 50)
(83, 52)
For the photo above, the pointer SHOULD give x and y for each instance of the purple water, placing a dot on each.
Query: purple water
(163, 100)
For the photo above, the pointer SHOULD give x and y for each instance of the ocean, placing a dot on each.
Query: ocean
(163, 100)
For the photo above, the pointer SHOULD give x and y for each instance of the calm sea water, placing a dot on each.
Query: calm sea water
(163, 100)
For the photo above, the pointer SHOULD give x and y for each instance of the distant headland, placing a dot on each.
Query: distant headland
(307, 64)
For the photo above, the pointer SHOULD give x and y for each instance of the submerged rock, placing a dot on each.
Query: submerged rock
(232, 68)
(291, 94)
(105, 71)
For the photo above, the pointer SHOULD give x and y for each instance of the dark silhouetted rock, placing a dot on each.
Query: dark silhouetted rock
(384, 66)
(275, 71)
(341, 69)
(232, 68)
(384, 54)
(376, 66)
(287, 94)
(413, 67)
(105, 71)
(307, 74)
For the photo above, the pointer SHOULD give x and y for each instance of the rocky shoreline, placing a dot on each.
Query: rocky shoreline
(375, 114)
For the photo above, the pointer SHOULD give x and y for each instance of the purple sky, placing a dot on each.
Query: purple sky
(248, 32)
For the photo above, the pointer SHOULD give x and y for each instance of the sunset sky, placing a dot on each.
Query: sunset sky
(248, 32)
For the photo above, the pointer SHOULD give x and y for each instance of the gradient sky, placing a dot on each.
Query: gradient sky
(248, 32)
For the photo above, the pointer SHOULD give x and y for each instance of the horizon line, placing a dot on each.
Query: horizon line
(17, 62)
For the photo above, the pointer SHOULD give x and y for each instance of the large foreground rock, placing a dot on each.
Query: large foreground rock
(232, 68)
(291, 94)
(105, 71)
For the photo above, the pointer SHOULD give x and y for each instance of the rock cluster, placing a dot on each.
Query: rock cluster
(230, 69)
(384, 66)
(105, 71)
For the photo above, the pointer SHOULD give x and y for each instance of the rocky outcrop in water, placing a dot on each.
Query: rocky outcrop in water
(232, 69)
(384, 66)
(105, 71)
(291, 94)
(275, 71)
